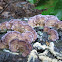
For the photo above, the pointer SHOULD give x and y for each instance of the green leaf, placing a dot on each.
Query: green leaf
(33, 1)
(49, 11)
(58, 9)
(54, 7)
(58, 13)
(46, 4)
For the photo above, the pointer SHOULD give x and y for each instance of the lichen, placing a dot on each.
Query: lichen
(43, 56)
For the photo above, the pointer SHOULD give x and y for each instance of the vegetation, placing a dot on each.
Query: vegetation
(53, 7)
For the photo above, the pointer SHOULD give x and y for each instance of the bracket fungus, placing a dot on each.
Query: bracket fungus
(15, 41)
(47, 22)
(27, 36)
(23, 33)
(2, 46)
(51, 16)
(58, 25)
(18, 25)
(45, 29)
(37, 20)
(3, 25)
(42, 20)
(15, 24)
(11, 35)
(20, 45)
(51, 22)
(20, 38)
(29, 28)
(22, 27)
(53, 33)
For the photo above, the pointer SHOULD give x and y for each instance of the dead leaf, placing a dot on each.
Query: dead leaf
(1, 7)
(6, 14)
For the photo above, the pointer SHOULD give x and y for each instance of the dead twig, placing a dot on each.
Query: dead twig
(6, 6)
